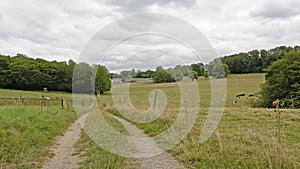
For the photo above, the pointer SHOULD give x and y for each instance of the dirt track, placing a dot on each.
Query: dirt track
(148, 147)
(64, 148)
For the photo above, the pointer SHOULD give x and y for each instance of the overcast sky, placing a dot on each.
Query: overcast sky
(59, 29)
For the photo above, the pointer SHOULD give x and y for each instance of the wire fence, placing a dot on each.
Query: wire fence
(35, 101)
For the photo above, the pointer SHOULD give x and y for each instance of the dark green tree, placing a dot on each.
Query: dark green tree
(161, 76)
(206, 74)
(4, 68)
(159, 68)
(283, 81)
(141, 74)
(255, 61)
(193, 75)
(65, 75)
(83, 80)
(198, 67)
(218, 69)
(102, 83)
(175, 74)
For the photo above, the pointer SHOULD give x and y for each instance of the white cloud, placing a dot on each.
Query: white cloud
(51, 28)
(277, 9)
(60, 29)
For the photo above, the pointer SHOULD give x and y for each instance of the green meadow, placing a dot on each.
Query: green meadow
(245, 136)
(26, 132)
(29, 128)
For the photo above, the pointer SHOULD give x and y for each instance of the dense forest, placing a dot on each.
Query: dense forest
(255, 61)
(23, 73)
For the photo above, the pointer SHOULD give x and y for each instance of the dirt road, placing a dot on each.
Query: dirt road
(64, 148)
(146, 148)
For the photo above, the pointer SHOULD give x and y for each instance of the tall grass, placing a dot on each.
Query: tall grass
(25, 133)
(244, 139)
(95, 156)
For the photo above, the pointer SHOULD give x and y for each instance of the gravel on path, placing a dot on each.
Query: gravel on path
(148, 147)
(64, 147)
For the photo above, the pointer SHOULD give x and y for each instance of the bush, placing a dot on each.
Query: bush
(161, 76)
(283, 82)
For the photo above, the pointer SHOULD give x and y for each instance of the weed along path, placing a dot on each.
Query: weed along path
(148, 147)
(64, 148)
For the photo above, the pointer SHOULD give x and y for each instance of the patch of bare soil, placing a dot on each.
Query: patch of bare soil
(144, 149)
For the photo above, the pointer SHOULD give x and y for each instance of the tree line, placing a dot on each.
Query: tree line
(23, 73)
(215, 69)
(162, 75)
(255, 61)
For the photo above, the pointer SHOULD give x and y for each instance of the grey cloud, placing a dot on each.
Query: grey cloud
(149, 59)
(88, 12)
(278, 9)
(134, 35)
(48, 28)
(59, 29)
(32, 24)
(140, 5)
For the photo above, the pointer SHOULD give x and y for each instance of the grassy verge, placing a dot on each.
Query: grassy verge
(95, 156)
(25, 133)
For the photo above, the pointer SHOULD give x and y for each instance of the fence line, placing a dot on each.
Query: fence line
(36, 101)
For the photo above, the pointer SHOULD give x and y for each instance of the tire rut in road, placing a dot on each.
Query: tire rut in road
(146, 148)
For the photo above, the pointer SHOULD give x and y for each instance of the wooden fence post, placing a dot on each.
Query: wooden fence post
(154, 102)
(62, 103)
(21, 99)
(42, 100)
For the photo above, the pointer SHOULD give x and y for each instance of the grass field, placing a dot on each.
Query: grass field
(245, 137)
(35, 94)
(25, 133)
(27, 130)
